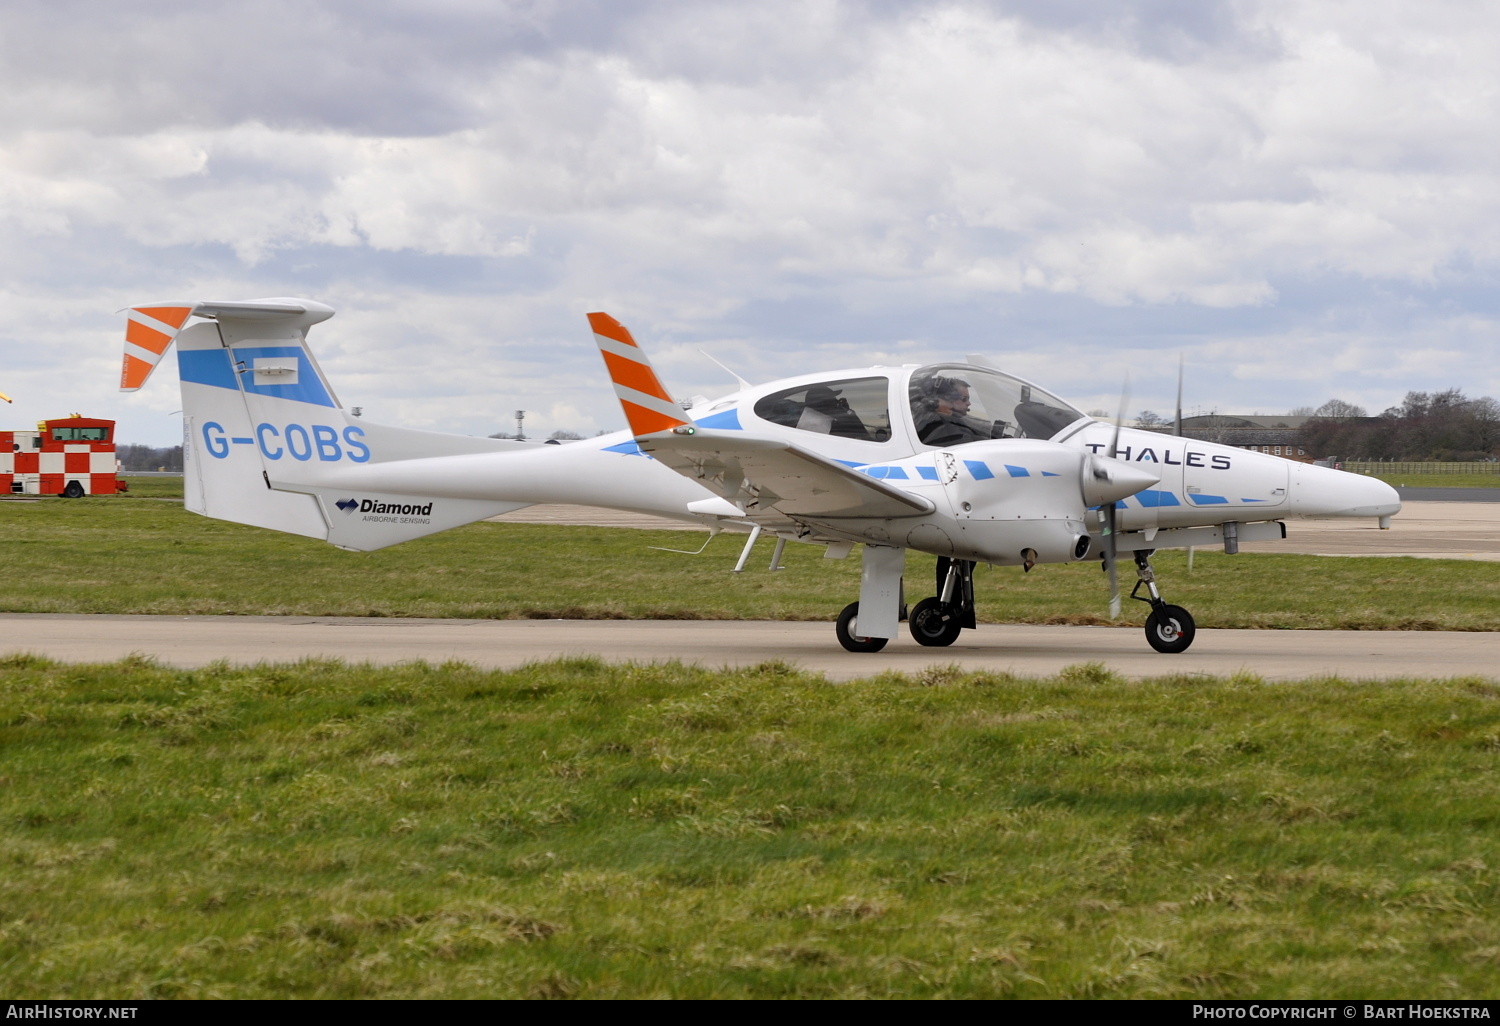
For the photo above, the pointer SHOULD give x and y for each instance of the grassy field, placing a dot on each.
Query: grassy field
(578, 830)
(144, 555)
(154, 487)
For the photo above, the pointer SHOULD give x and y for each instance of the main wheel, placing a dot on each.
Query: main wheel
(1170, 629)
(934, 624)
(74, 490)
(846, 627)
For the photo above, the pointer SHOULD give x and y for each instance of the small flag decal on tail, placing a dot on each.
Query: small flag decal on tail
(149, 330)
(647, 406)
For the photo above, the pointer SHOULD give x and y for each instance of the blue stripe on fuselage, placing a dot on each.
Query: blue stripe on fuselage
(728, 420)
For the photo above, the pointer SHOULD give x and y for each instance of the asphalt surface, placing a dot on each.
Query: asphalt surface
(1023, 650)
(1449, 494)
(1430, 530)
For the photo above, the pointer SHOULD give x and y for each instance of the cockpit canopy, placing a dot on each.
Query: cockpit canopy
(952, 404)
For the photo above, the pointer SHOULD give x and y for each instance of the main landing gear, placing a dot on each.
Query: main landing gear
(846, 628)
(935, 622)
(1169, 629)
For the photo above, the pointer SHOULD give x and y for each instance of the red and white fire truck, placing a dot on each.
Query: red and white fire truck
(73, 456)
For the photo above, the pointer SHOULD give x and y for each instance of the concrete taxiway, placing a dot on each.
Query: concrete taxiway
(1023, 650)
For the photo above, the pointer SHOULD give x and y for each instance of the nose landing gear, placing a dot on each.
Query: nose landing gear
(935, 622)
(1169, 629)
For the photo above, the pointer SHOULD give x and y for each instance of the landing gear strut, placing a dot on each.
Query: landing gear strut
(1169, 629)
(935, 622)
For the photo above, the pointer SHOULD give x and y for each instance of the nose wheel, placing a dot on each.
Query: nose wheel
(1169, 629)
(935, 622)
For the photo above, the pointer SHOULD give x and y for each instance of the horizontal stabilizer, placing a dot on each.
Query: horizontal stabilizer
(151, 328)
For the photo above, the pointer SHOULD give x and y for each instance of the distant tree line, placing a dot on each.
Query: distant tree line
(556, 436)
(143, 457)
(1426, 426)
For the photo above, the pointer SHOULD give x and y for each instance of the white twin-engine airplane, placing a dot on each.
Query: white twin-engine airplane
(956, 459)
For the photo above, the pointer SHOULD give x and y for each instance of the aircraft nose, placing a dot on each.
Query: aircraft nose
(1322, 492)
(1373, 498)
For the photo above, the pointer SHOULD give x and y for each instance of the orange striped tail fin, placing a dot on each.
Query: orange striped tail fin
(148, 332)
(648, 407)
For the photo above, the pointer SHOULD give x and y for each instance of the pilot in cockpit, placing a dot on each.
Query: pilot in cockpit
(942, 413)
(825, 410)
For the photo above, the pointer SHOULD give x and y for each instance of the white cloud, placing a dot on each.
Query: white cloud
(812, 182)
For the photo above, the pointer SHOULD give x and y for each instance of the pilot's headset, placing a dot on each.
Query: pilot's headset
(825, 400)
(940, 387)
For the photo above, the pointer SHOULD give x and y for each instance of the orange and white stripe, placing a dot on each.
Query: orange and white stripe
(648, 407)
(149, 330)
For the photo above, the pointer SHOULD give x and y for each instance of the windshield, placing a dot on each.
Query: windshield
(80, 434)
(952, 404)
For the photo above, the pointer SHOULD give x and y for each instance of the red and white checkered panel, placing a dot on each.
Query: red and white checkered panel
(49, 470)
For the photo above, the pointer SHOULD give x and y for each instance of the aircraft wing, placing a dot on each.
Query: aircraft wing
(758, 474)
(762, 474)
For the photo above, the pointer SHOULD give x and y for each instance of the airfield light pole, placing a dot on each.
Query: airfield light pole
(520, 416)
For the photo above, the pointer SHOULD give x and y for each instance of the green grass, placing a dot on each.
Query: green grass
(154, 487)
(1440, 480)
(575, 829)
(117, 554)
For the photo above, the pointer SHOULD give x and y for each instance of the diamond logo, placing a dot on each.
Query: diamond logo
(348, 505)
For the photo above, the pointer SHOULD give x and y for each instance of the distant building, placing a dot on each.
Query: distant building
(1272, 435)
(1209, 421)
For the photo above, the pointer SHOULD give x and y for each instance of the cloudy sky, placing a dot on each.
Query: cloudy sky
(1301, 197)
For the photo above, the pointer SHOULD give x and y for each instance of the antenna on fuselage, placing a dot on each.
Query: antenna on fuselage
(743, 383)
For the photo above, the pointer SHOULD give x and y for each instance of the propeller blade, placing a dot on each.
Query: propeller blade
(1114, 441)
(1177, 424)
(1111, 563)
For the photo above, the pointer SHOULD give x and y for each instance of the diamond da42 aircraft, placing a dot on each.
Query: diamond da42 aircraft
(961, 460)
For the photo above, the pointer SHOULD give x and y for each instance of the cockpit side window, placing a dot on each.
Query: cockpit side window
(960, 404)
(852, 408)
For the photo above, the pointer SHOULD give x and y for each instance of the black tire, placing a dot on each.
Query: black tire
(851, 641)
(74, 490)
(934, 624)
(1170, 629)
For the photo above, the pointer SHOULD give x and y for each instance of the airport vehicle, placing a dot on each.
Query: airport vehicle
(886, 457)
(71, 456)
